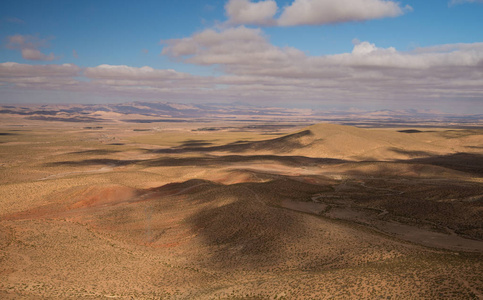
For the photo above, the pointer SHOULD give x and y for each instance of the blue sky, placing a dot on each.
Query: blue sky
(236, 51)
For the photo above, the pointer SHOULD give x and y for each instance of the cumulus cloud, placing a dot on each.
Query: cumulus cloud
(317, 12)
(35, 54)
(19, 41)
(229, 47)
(103, 79)
(12, 69)
(253, 69)
(248, 59)
(247, 12)
(43, 76)
(242, 50)
(29, 47)
(442, 56)
(131, 73)
(311, 12)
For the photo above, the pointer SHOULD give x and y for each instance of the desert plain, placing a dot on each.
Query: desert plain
(128, 207)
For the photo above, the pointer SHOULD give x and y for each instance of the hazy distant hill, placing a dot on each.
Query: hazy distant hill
(148, 112)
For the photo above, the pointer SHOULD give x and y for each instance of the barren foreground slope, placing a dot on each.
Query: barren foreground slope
(326, 211)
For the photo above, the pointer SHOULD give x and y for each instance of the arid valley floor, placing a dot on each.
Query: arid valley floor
(241, 209)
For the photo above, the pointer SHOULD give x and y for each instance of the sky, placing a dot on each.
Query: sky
(321, 54)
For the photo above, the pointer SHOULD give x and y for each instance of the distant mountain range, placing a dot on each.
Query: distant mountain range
(152, 112)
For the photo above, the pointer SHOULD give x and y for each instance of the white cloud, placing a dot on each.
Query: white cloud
(245, 50)
(232, 46)
(39, 76)
(364, 48)
(317, 12)
(255, 70)
(35, 54)
(15, 70)
(104, 80)
(369, 72)
(29, 47)
(19, 41)
(247, 12)
(131, 73)
(311, 12)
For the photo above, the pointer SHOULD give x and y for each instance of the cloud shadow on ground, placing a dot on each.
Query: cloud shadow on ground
(204, 161)
(464, 162)
(96, 152)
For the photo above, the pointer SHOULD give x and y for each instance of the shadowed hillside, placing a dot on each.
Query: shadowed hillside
(326, 212)
(347, 142)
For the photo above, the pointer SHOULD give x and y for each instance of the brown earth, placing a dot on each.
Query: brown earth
(329, 211)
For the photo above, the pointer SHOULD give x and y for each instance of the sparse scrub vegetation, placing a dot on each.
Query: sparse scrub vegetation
(93, 212)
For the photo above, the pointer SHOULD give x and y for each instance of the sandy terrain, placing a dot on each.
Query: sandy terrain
(142, 211)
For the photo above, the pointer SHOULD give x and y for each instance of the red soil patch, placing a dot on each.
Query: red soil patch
(96, 196)
(91, 197)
